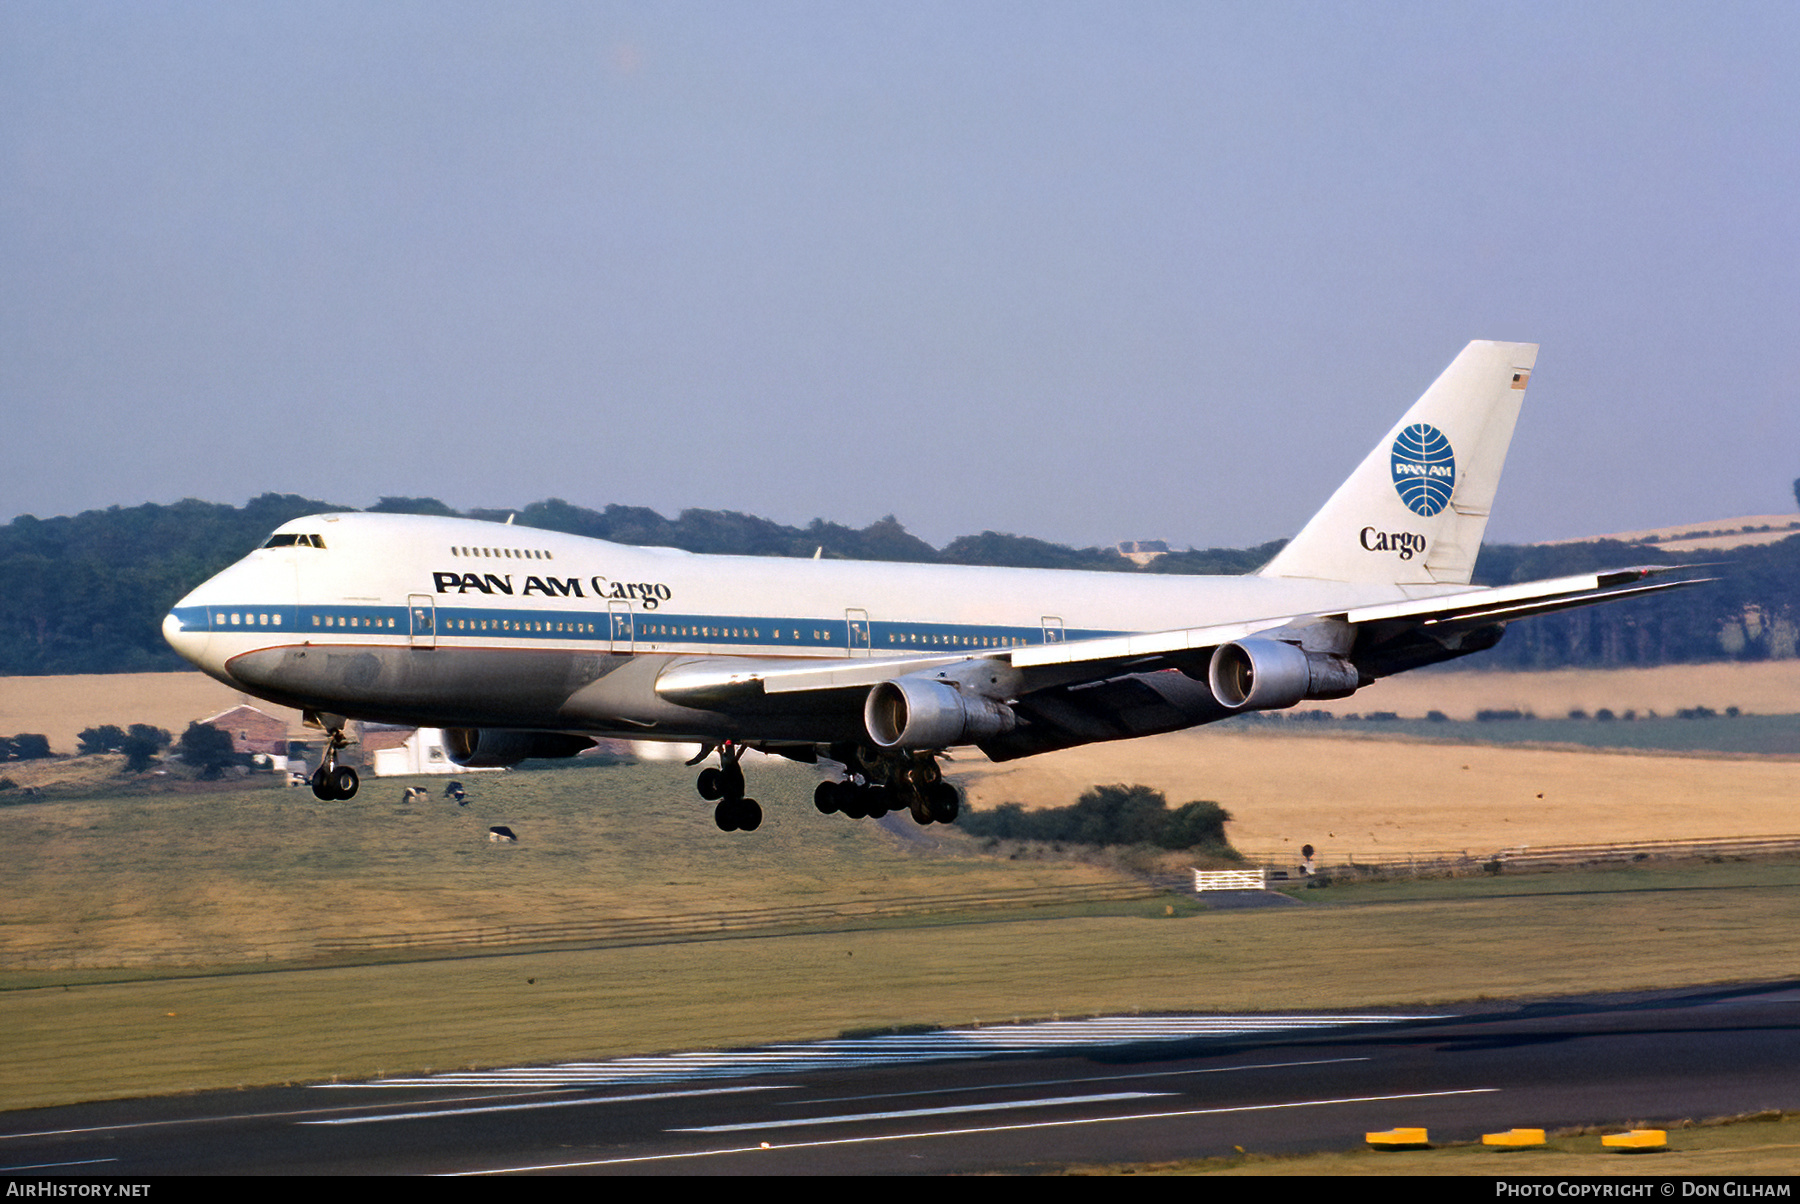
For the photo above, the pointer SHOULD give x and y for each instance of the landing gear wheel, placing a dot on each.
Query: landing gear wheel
(738, 815)
(711, 784)
(331, 781)
(825, 797)
(921, 813)
(944, 801)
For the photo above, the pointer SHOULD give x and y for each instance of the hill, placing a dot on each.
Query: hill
(87, 593)
(1710, 536)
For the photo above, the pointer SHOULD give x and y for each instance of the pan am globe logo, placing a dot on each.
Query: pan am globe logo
(1424, 468)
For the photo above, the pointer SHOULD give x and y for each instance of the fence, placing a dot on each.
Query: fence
(1526, 856)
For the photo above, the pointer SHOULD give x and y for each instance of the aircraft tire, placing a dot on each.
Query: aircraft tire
(848, 797)
(945, 802)
(344, 782)
(321, 786)
(710, 786)
(749, 815)
(920, 812)
(825, 797)
(725, 815)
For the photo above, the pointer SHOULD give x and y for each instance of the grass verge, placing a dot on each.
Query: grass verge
(79, 1041)
(174, 943)
(1764, 1144)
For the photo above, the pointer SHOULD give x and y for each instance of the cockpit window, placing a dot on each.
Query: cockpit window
(290, 540)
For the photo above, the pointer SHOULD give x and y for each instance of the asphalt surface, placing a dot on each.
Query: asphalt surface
(1007, 1098)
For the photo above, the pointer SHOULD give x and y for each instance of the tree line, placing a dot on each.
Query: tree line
(205, 749)
(1111, 815)
(87, 593)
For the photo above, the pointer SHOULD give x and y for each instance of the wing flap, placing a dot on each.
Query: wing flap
(713, 682)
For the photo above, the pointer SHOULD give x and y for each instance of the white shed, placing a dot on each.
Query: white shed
(422, 751)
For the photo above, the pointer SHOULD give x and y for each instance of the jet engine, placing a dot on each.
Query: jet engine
(497, 748)
(1262, 675)
(914, 712)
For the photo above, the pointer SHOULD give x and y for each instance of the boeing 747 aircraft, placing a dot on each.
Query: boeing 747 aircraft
(526, 643)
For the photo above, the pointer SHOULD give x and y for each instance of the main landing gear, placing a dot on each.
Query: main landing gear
(878, 784)
(735, 813)
(332, 782)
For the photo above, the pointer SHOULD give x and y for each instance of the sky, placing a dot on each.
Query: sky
(1083, 272)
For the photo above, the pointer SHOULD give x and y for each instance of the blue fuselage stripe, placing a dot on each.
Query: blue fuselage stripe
(668, 632)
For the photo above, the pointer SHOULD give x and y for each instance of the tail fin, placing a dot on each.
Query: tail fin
(1415, 509)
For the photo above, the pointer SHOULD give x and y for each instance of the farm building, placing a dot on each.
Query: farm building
(252, 731)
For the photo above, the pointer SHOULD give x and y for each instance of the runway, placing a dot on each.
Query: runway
(1013, 1098)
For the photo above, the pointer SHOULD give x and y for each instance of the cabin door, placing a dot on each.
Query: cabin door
(421, 610)
(858, 623)
(624, 626)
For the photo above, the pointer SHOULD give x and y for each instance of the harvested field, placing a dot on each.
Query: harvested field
(1380, 799)
(61, 707)
(1370, 799)
(1763, 688)
(1716, 535)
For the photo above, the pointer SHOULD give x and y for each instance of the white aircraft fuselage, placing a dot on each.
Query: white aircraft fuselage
(447, 622)
(526, 643)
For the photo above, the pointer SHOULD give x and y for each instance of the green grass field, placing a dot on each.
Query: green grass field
(179, 942)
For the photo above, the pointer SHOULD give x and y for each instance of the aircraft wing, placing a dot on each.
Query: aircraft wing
(1463, 608)
(721, 683)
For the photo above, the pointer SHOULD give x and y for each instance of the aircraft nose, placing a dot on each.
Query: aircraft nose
(186, 630)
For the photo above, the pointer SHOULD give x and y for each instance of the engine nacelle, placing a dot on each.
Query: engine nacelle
(1262, 675)
(498, 748)
(912, 712)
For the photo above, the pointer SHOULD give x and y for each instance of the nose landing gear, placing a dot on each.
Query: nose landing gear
(332, 782)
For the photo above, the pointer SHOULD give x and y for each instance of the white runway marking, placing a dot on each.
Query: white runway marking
(769, 1148)
(946, 1045)
(39, 1166)
(953, 1110)
(584, 1102)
